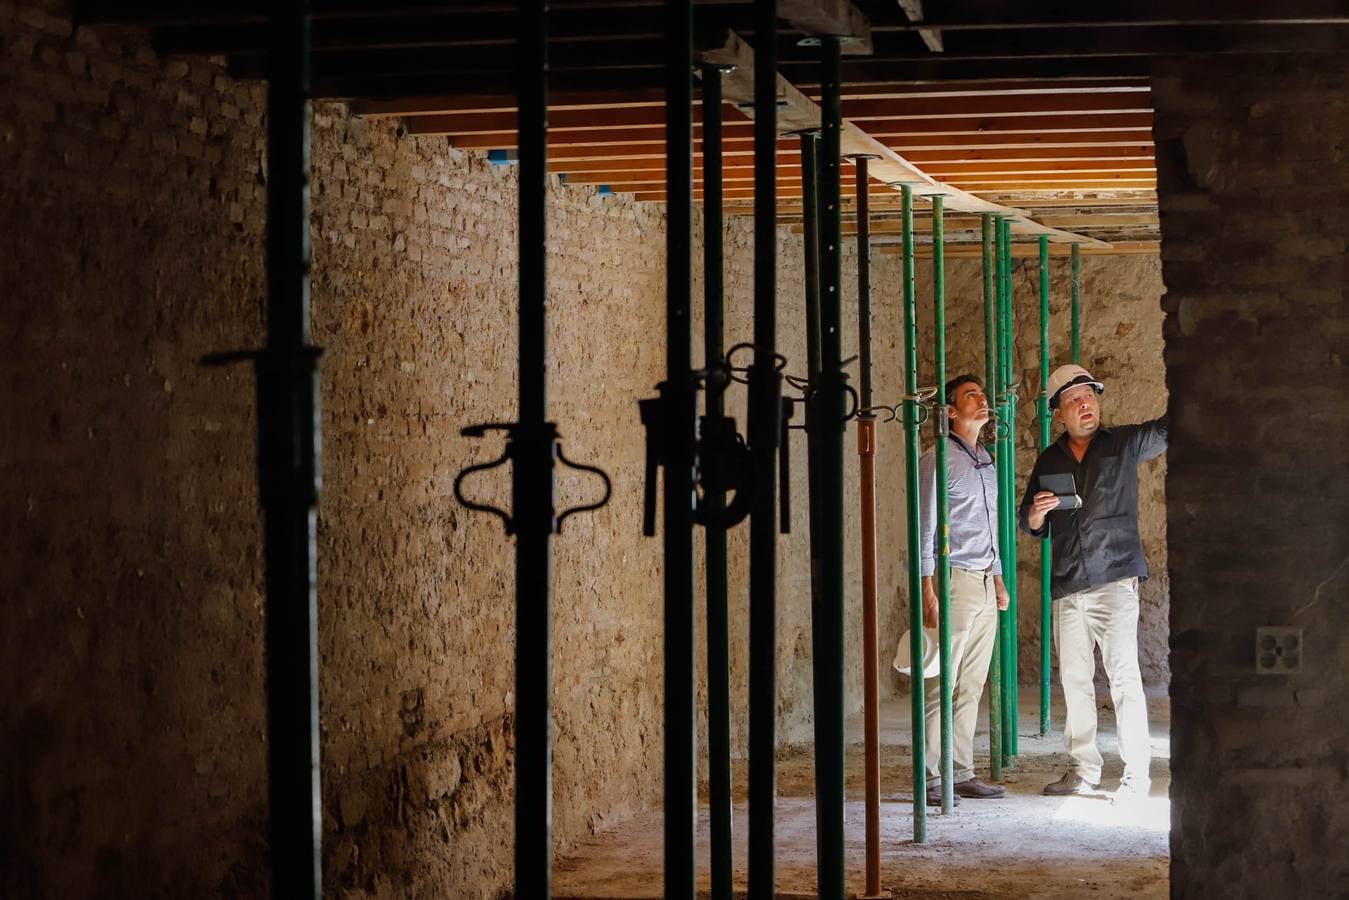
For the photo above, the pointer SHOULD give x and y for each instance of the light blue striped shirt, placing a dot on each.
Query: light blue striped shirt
(973, 481)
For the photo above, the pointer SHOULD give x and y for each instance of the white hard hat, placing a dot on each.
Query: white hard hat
(1069, 376)
(931, 655)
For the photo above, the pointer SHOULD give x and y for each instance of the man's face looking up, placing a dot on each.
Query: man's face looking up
(970, 406)
(1079, 411)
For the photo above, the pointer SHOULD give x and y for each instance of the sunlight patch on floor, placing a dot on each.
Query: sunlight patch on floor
(1152, 814)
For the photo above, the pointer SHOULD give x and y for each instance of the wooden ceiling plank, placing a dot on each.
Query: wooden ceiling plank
(994, 88)
(1087, 42)
(837, 18)
(858, 72)
(445, 105)
(966, 143)
(968, 170)
(913, 11)
(1012, 14)
(999, 106)
(799, 111)
(1030, 154)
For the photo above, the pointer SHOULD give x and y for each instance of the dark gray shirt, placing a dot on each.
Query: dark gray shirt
(1099, 542)
(973, 483)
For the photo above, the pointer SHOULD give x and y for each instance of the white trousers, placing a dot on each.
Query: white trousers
(974, 628)
(1105, 617)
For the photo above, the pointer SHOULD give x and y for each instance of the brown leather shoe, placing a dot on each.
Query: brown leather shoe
(934, 795)
(974, 789)
(1070, 783)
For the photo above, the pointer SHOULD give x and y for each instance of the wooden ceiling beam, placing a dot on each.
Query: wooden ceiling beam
(621, 144)
(941, 143)
(790, 170)
(883, 205)
(1031, 154)
(859, 72)
(1044, 123)
(743, 164)
(731, 162)
(878, 123)
(913, 11)
(837, 18)
(1002, 15)
(1087, 42)
(1072, 223)
(798, 111)
(794, 190)
(465, 65)
(998, 106)
(604, 140)
(613, 98)
(997, 88)
(588, 120)
(409, 86)
(958, 170)
(447, 27)
(982, 16)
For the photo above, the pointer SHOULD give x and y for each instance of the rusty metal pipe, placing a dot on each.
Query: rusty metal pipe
(866, 451)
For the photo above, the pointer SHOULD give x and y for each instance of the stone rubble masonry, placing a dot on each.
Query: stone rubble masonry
(1254, 188)
(133, 211)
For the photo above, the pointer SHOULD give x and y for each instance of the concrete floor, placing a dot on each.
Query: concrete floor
(1024, 845)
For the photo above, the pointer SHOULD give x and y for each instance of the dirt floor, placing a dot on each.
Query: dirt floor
(1024, 845)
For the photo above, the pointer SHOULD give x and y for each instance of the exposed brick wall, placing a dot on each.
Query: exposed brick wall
(133, 208)
(133, 214)
(1254, 193)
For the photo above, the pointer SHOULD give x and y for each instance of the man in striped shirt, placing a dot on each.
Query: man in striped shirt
(977, 590)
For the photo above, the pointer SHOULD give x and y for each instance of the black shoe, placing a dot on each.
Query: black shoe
(1070, 783)
(974, 789)
(934, 796)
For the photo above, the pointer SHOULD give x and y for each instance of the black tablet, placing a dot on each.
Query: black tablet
(1063, 487)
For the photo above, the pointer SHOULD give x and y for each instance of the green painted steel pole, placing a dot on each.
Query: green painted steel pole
(827, 601)
(1077, 304)
(940, 426)
(1014, 663)
(915, 532)
(1046, 561)
(1007, 535)
(990, 386)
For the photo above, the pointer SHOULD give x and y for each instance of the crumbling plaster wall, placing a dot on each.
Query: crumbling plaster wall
(1254, 194)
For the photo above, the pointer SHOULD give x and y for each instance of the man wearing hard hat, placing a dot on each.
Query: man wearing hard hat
(1083, 494)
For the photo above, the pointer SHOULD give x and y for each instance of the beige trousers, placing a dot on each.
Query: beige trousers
(1105, 617)
(974, 629)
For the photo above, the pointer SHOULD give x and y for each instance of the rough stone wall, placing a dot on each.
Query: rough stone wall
(133, 211)
(1121, 341)
(794, 621)
(1254, 193)
(133, 207)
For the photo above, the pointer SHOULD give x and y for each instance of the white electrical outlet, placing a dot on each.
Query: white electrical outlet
(1278, 650)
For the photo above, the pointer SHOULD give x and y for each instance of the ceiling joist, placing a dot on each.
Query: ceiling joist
(798, 112)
